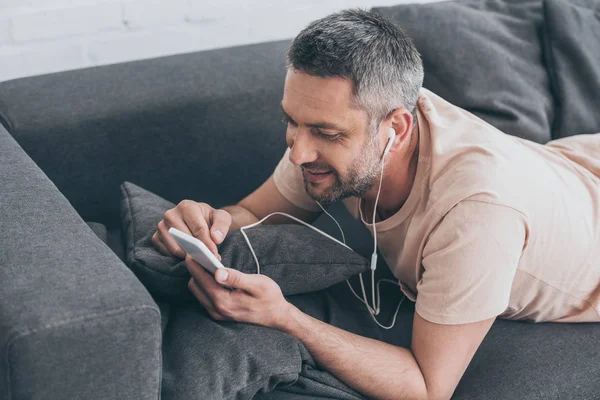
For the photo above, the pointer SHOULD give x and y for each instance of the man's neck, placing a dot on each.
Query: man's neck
(398, 180)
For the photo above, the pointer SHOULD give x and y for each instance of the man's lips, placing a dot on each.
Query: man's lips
(316, 176)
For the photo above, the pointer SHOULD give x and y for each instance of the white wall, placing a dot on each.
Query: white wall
(41, 36)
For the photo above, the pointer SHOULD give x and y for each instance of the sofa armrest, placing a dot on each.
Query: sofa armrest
(75, 323)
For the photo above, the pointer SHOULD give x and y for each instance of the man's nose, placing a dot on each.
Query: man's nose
(302, 147)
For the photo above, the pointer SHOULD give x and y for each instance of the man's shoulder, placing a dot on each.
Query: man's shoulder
(478, 174)
(468, 157)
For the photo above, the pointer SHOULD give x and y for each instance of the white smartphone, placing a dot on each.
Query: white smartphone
(197, 250)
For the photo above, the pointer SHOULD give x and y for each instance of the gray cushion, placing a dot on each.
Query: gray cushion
(299, 259)
(207, 359)
(486, 57)
(572, 40)
(141, 211)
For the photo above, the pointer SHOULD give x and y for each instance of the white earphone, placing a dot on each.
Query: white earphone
(390, 142)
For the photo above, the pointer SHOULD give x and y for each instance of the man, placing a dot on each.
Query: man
(475, 224)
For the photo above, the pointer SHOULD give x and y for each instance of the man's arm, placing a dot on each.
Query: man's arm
(211, 225)
(240, 216)
(431, 369)
(469, 263)
(264, 201)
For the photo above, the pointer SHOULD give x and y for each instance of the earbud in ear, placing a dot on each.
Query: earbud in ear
(390, 142)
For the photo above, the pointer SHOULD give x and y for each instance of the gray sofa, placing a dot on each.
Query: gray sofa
(76, 322)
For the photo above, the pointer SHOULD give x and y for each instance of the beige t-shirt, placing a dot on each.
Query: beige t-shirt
(493, 226)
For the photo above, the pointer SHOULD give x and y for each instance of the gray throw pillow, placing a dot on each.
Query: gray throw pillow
(296, 257)
(299, 259)
(486, 57)
(141, 211)
(572, 41)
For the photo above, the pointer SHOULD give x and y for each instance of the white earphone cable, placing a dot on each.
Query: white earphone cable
(338, 225)
(373, 311)
(363, 300)
(289, 216)
(374, 256)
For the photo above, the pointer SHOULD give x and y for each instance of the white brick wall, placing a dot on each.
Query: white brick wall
(67, 22)
(5, 36)
(42, 36)
(149, 13)
(41, 58)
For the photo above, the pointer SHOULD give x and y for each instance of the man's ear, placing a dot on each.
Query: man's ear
(401, 120)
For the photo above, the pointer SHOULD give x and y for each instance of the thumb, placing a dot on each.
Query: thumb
(221, 275)
(234, 279)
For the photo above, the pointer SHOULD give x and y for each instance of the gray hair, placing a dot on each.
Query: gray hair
(378, 57)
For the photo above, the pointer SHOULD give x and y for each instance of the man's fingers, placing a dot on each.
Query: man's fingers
(167, 240)
(195, 269)
(198, 226)
(198, 293)
(203, 277)
(199, 230)
(220, 223)
(203, 299)
(203, 287)
(157, 241)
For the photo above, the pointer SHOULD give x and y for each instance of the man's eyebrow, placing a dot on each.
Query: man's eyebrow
(284, 113)
(321, 125)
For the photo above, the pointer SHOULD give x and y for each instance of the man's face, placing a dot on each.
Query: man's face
(329, 138)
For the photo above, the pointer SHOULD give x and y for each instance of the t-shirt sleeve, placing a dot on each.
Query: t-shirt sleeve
(469, 263)
(290, 183)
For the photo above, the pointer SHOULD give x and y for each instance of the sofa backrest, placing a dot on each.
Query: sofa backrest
(205, 126)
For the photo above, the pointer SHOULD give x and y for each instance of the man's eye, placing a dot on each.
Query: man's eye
(326, 136)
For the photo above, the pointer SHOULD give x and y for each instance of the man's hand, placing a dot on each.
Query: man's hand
(255, 299)
(197, 219)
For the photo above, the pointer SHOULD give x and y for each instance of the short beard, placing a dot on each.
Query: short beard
(362, 175)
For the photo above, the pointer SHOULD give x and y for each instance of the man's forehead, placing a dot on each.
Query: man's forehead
(327, 97)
